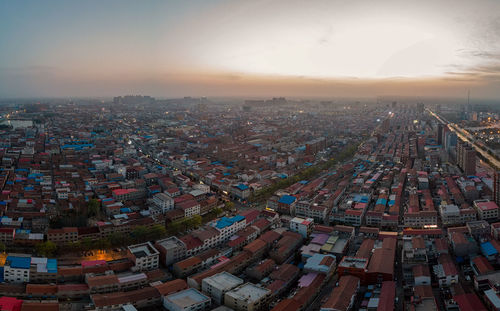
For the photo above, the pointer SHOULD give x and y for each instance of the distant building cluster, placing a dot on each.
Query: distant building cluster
(187, 204)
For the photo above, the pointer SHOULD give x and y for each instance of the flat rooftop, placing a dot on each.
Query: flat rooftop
(339, 246)
(187, 298)
(248, 291)
(170, 242)
(223, 280)
(354, 262)
(143, 250)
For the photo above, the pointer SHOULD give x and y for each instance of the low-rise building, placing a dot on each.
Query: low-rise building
(486, 210)
(144, 298)
(17, 269)
(190, 208)
(144, 256)
(217, 285)
(446, 273)
(171, 250)
(228, 226)
(186, 300)
(355, 266)
(247, 297)
(320, 263)
(163, 201)
(342, 297)
(7, 235)
(302, 226)
(63, 235)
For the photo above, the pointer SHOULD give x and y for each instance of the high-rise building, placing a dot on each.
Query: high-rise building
(440, 133)
(496, 187)
(470, 161)
(450, 140)
(420, 107)
(466, 157)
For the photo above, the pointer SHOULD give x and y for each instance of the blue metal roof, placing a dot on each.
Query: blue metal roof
(488, 249)
(242, 187)
(226, 221)
(77, 147)
(52, 265)
(19, 262)
(287, 199)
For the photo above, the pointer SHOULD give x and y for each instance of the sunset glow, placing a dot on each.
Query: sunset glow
(170, 48)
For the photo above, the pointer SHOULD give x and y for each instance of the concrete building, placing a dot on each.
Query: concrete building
(421, 275)
(228, 226)
(466, 157)
(217, 285)
(302, 226)
(164, 202)
(240, 191)
(496, 187)
(7, 235)
(171, 250)
(445, 274)
(190, 208)
(17, 269)
(247, 297)
(144, 256)
(63, 235)
(453, 215)
(486, 210)
(320, 263)
(186, 300)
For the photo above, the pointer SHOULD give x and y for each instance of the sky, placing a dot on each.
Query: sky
(295, 48)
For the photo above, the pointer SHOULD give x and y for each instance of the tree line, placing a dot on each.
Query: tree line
(263, 194)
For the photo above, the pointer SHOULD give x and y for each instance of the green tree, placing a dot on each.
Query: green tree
(197, 220)
(118, 239)
(103, 244)
(87, 244)
(157, 232)
(306, 173)
(228, 206)
(2, 247)
(93, 208)
(175, 227)
(47, 249)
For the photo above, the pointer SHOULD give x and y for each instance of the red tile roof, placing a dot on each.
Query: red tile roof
(469, 302)
(386, 298)
(170, 287)
(342, 295)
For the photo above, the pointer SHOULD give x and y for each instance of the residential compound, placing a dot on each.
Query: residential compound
(270, 205)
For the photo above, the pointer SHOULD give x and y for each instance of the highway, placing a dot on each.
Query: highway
(491, 160)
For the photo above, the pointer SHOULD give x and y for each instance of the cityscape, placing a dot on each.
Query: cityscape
(164, 155)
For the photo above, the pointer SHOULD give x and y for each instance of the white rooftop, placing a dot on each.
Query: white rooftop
(248, 291)
(223, 280)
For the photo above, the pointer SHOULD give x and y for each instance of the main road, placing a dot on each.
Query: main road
(491, 159)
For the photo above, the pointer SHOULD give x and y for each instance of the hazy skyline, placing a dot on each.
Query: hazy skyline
(250, 48)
